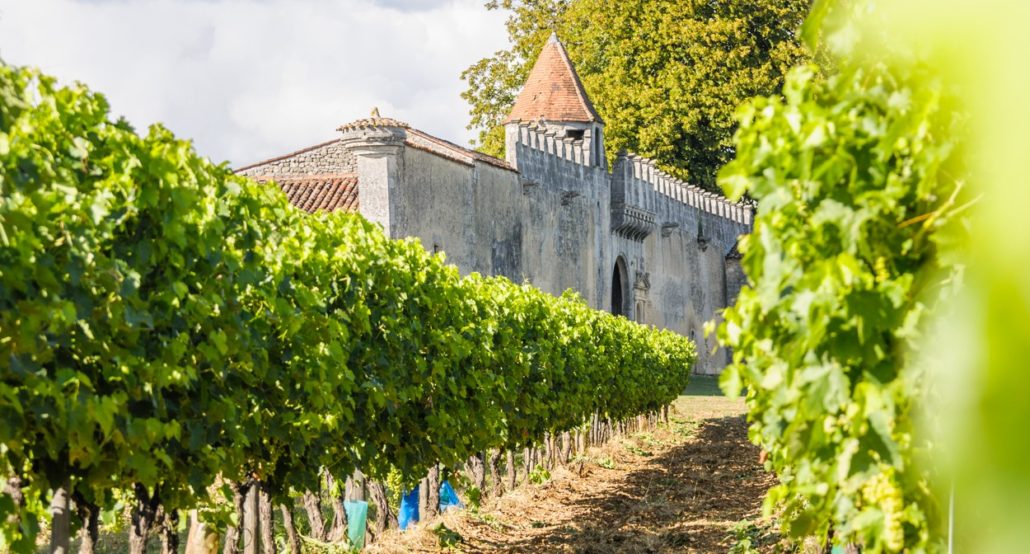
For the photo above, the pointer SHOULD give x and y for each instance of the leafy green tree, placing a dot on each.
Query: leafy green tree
(665, 75)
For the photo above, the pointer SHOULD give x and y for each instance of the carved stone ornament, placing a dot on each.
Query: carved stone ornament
(642, 281)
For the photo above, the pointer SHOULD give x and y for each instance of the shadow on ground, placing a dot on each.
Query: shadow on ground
(685, 500)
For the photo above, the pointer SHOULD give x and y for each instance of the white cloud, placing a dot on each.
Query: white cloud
(253, 79)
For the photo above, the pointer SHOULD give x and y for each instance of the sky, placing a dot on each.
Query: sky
(252, 79)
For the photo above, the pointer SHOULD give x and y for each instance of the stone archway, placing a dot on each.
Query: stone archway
(620, 289)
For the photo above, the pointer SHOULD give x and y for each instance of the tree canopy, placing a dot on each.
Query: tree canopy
(666, 75)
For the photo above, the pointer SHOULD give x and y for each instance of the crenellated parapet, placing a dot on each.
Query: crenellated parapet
(638, 185)
(549, 142)
(639, 182)
(643, 197)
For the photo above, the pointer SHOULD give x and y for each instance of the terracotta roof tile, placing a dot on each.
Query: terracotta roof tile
(553, 91)
(319, 192)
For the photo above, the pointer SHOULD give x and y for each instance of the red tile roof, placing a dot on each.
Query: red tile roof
(553, 91)
(319, 192)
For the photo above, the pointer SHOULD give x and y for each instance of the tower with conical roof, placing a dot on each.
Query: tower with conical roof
(554, 99)
(634, 240)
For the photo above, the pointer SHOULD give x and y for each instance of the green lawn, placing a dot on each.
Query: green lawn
(703, 385)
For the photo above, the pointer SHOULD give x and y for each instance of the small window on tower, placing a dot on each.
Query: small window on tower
(574, 134)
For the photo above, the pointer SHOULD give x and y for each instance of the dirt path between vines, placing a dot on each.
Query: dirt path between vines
(684, 488)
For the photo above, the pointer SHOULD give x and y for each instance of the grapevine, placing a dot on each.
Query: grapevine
(169, 329)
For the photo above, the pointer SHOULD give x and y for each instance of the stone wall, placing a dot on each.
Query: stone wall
(553, 218)
(469, 211)
(671, 239)
(489, 219)
(321, 159)
(565, 216)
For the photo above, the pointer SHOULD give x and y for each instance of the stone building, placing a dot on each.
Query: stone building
(630, 239)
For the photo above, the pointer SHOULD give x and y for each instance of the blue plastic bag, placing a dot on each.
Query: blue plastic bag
(409, 509)
(449, 498)
(357, 516)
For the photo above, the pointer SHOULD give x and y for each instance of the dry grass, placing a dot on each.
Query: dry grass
(681, 488)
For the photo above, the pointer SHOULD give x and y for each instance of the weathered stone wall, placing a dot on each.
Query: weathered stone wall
(686, 288)
(322, 159)
(469, 211)
(490, 220)
(735, 278)
(565, 216)
(679, 269)
(562, 222)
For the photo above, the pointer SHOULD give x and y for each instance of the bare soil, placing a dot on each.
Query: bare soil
(682, 488)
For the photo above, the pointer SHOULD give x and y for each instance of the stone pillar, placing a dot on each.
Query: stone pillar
(512, 137)
(376, 145)
(600, 160)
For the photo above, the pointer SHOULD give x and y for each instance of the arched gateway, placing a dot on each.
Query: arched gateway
(619, 293)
